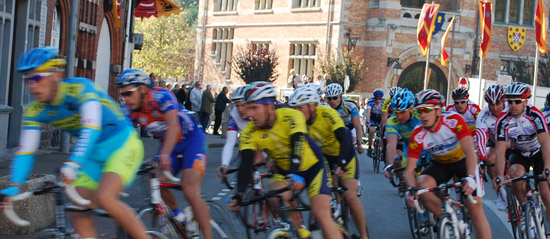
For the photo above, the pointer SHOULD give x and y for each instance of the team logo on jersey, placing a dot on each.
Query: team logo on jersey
(459, 128)
(450, 122)
(51, 113)
(516, 37)
(413, 145)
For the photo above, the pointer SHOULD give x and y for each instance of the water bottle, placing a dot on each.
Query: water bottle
(257, 180)
(155, 191)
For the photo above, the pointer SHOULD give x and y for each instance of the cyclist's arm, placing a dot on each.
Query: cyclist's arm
(90, 119)
(367, 116)
(482, 135)
(24, 158)
(358, 130)
(467, 145)
(230, 142)
(500, 148)
(410, 173)
(544, 142)
(245, 170)
(297, 143)
(391, 147)
(172, 132)
(384, 118)
(345, 145)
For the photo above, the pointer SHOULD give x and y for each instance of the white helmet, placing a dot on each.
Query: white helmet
(259, 90)
(315, 88)
(238, 94)
(333, 89)
(303, 96)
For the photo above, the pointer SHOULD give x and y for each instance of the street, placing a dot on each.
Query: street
(385, 211)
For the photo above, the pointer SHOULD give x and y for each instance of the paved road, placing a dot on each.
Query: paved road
(384, 208)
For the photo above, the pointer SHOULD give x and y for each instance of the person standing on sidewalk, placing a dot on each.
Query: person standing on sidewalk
(207, 105)
(219, 108)
(195, 96)
(106, 155)
(158, 111)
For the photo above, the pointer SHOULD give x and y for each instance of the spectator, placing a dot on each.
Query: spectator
(162, 84)
(182, 94)
(294, 80)
(219, 107)
(175, 89)
(153, 78)
(206, 107)
(187, 103)
(196, 97)
(321, 82)
(327, 79)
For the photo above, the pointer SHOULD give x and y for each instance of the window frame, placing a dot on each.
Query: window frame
(520, 11)
(222, 49)
(304, 61)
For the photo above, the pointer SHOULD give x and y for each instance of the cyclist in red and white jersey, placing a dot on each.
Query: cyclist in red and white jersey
(465, 107)
(525, 128)
(446, 137)
(486, 131)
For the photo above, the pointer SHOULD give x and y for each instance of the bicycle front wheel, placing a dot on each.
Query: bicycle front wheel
(446, 228)
(222, 228)
(279, 233)
(413, 222)
(513, 212)
(154, 221)
(533, 227)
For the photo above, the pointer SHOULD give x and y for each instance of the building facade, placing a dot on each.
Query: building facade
(382, 32)
(26, 24)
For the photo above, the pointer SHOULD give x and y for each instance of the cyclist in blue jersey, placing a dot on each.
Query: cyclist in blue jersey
(347, 111)
(374, 115)
(158, 111)
(107, 153)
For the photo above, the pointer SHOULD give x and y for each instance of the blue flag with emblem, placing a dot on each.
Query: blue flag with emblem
(439, 22)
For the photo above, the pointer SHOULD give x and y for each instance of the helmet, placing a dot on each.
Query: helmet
(315, 88)
(333, 89)
(238, 94)
(132, 77)
(394, 90)
(303, 96)
(379, 93)
(547, 102)
(259, 90)
(39, 59)
(495, 94)
(518, 89)
(402, 100)
(460, 94)
(428, 97)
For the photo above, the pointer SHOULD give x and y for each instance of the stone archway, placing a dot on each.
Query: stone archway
(413, 78)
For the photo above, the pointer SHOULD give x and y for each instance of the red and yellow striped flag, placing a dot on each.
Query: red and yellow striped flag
(116, 14)
(426, 25)
(485, 16)
(444, 56)
(540, 27)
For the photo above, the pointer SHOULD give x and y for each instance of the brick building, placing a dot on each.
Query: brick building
(304, 32)
(27, 24)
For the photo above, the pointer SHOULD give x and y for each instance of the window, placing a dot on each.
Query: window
(260, 45)
(263, 4)
(412, 3)
(302, 57)
(56, 29)
(6, 33)
(35, 34)
(305, 3)
(225, 5)
(520, 12)
(222, 49)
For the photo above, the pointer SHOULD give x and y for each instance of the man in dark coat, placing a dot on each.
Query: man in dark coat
(206, 107)
(219, 107)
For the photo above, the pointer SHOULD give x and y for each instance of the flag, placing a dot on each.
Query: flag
(156, 8)
(426, 26)
(444, 55)
(116, 13)
(485, 23)
(540, 27)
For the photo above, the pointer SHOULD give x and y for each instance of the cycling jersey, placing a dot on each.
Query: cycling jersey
(403, 131)
(347, 110)
(375, 111)
(322, 130)
(522, 132)
(443, 144)
(235, 122)
(546, 113)
(485, 130)
(386, 106)
(470, 115)
(276, 141)
(85, 111)
(234, 125)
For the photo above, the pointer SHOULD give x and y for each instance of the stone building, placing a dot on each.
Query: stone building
(383, 33)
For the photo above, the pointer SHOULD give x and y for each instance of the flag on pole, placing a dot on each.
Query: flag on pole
(540, 27)
(116, 13)
(444, 56)
(426, 24)
(485, 16)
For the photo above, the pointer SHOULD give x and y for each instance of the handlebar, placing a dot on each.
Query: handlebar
(233, 170)
(441, 187)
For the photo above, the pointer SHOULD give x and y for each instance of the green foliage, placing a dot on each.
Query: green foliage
(252, 64)
(345, 63)
(168, 46)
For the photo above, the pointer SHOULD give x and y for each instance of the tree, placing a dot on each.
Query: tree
(253, 64)
(344, 63)
(544, 70)
(168, 46)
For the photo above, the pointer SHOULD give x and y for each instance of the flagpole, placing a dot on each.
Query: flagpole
(536, 76)
(427, 67)
(450, 63)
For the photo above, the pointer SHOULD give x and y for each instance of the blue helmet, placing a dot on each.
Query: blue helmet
(402, 100)
(39, 59)
(379, 93)
(132, 77)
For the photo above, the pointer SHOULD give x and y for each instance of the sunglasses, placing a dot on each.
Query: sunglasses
(333, 98)
(517, 102)
(426, 109)
(129, 92)
(460, 101)
(37, 77)
(378, 98)
(400, 112)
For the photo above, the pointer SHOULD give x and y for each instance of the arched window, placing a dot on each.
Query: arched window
(413, 78)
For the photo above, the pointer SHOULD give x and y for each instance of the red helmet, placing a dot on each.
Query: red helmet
(518, 90)
(428, 97)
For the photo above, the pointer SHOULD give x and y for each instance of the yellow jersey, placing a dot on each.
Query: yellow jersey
(322, 130)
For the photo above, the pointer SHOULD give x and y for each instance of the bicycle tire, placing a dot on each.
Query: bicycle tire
(376, 154)
(446, 228)
(513, 212)
(530, 216)
(156, 222)
(222, 228)
(253, 212)
(413, 222)
(279, 233)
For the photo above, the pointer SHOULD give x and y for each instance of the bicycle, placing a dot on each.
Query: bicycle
(159, 216)
(62, 230)
(344, 218)
(377, 154)
(450, 225)
(533, 209)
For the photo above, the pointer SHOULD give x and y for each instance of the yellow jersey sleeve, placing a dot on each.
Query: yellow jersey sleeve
(386, 105)
(322, 130)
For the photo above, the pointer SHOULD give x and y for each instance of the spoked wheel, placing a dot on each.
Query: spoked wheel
(222, 228)
(257, 217)
(529, 215)
(446, 228)
(156, 222)
(279, 233)
(376, 155)
(514, 212)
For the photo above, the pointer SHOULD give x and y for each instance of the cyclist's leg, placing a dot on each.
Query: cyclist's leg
(432, 176)
(544, 188)
(492, 159)
(519, 165)
(194, 165)
(350, 181)
(279, 181)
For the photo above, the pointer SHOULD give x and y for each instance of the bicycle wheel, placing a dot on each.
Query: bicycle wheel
(513, 212)
(532, 231)
(257, 217)
(446, 228)
(158, 222)
(279, 232)
(413, 222)
(376, 155)
(222, 227)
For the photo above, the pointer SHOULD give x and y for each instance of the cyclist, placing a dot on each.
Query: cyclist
(326, 127)
(347, 111)
(525, 128)
(237, 121)
(485, 132)
(446, 137)
(546, 109)
(282, 134)
(319, 91)
(158, 111)
(374, 115)
(386, 107)
(107, 153)
(463, 106)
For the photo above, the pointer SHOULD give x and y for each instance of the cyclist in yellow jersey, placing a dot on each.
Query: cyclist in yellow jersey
(282, 134)
(386, 107)
(327, 128)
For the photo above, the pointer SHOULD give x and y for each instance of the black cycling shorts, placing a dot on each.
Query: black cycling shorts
(442, 173)
(535, 160)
